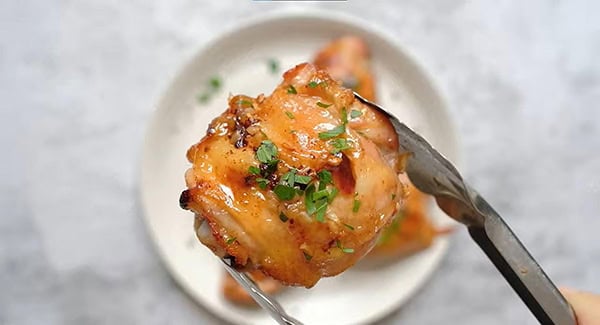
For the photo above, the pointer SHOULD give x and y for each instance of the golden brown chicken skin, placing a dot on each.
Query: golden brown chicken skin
(295, 184)
(347, 59)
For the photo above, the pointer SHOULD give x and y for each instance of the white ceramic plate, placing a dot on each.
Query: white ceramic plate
(362, 294)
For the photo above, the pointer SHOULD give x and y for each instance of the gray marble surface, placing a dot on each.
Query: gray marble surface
(79, 80)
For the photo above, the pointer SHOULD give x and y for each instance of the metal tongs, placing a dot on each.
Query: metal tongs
(433, 174)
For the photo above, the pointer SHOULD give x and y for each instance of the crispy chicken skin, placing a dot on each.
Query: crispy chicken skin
(347, 59)
(242, 215)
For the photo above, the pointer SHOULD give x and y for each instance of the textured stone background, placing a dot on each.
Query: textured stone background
(78, 81)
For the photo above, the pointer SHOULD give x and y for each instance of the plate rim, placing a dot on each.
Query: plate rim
(230, 31)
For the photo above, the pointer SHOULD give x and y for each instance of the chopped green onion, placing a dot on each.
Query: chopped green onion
(323, 105)
(393, 196)
(332, 133)
(289, 114)
(307, 256)
(348, 226)
(254, 170)
(313, 84)
(355, 113)
(284, 192)
(230, 240)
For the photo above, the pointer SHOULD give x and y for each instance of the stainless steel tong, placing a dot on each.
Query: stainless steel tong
(433, 174)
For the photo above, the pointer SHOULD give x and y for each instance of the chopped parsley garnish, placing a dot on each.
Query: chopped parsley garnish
(313, 84)
(355, 204)
(333, 194)
(344, 116)
(320, 215)
(348, 226)
(333, 132)
(266, 152)
(292, 90)
(320, 194)
(339, 144)
(273, 65)
(344, 249)
(254, 170)
(244, 103)
(215, 83)
(289, 115)
(203, 98)
(262, 182)
(393, 196)
(323, 105)
(355, 113)
(284, 192)
(283, 217)
(230, 240)
(301, 179)
(317, 197)
(325, 176)
(307, 256)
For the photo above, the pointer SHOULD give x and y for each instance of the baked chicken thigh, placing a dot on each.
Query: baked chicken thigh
(298, 184)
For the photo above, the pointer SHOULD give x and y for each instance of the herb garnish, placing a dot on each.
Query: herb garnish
(355, 204)
(317, 197)
(213, 85)
(289, 114)
(307, 256)
(262, 182)
(313, 84)
(323, 105)
(333, 132)
(344, 249)
(292, 90)
(254, 170)
(339, 144)
(284, 192)
(230, 240)
(348, 226)
(245, 103)
(273, 65)
(355, 113)
(266, 152)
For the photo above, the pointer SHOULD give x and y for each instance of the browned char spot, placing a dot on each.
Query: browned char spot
(343, 178)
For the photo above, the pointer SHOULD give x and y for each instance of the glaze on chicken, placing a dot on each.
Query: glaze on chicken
(298, 184)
